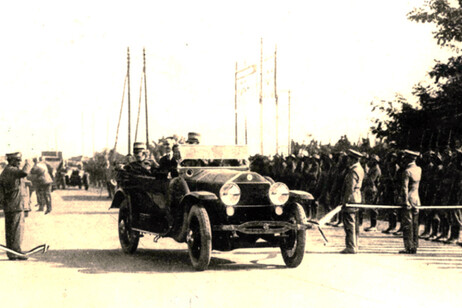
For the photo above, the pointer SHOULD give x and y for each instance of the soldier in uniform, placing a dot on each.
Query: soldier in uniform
(193, 138)
(142, 165)
(43, 181)
(352, 194)
(371, 183)
(455, 216)
(168, 163)
(15, 201)
(388, 189)
(410, 201)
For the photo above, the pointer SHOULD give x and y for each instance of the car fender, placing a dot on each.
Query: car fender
(119, 196)
(193, 198)
(300, 196)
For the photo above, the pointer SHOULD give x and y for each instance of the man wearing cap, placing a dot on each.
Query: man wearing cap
(352, 194)
(410, 200)
(15, 197)
(142, 165)
(193, 138)
(371, 182)
(168, 163)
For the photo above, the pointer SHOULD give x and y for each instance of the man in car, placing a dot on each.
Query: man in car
(168, 164)
(15, 196)
(141, 165)
(193, 138)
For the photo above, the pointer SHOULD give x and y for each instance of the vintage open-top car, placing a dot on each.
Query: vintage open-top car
(215, 203)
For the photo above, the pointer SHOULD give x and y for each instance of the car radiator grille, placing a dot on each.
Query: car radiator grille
(254, 194)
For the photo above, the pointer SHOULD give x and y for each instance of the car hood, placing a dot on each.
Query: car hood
(221, 176)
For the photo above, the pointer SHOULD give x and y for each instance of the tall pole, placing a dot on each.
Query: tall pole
(128, 84)
(146, 98)
(290, 145)
(261, 96)
(235, 106)
(276, 100)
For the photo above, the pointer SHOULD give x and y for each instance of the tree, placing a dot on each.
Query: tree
(434, 122)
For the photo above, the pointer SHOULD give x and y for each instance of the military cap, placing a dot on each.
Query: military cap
(139, 146)
(375, 157)
(411, 153)
(354, 153)
(193, 138)
(14, 155)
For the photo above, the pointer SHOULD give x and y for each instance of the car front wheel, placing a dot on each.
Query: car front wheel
(199, 238)
(293, 247)
(128, 238)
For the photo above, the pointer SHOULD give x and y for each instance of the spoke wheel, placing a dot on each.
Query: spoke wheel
(293, 247)
(199, 238)
(128, 238)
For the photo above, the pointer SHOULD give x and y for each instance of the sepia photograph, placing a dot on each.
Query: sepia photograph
(231, 153)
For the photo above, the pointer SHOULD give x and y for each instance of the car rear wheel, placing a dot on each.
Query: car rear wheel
(199, 238)
(128, 238)
(293, 247)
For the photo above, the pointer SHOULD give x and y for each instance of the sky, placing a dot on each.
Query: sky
(63, 67)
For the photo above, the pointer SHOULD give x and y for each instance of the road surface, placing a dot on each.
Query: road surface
(85, 267)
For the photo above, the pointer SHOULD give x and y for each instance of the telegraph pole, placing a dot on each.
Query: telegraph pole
(261, 96)
(128, 84)
(235, 106)
(145, 98)
(276, 100)
(289, 141)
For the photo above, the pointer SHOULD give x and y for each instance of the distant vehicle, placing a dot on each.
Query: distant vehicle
(75, 175)
(218, 204)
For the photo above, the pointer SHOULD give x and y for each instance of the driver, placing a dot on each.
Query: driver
(142, 165)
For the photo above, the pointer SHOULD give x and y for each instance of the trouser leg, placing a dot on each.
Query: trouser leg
(373, 215)
(415, 229)
(14, 230)
(351, 228)
(406, 225)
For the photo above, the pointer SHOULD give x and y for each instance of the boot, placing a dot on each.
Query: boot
(427, 230)
(435, 228)
(444, 236)
(455, 231)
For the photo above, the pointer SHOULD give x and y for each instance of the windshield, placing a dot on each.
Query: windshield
(213, 156)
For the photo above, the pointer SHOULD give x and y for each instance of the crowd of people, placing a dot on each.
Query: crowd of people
(384, 176)
(322, 173)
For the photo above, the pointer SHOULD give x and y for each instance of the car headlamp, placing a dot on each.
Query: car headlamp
(230, 194)
(279, 193)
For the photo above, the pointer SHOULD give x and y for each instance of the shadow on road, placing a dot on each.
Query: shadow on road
(143, 261)
(88, 198)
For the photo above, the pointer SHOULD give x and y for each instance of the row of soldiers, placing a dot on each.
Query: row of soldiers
(323, 174)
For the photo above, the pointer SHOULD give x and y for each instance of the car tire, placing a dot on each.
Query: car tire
(199, 238)
(128, 238)
(293, 247)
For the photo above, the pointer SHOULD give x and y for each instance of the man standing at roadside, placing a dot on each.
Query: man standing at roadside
(371, 183)
(411, 201)
(352, 194)
(15, 199)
